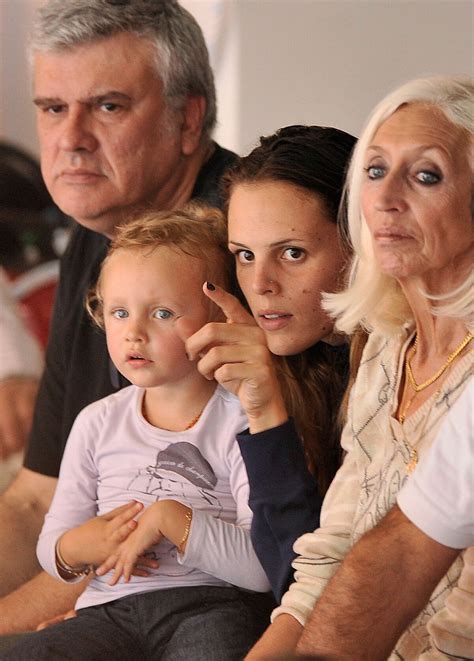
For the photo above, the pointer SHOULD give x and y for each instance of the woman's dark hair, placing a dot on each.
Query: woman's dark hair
(313, 158)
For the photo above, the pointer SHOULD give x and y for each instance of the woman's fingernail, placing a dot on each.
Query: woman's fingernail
(210, 286)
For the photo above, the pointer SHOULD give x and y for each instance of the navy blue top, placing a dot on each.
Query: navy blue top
(284, 499)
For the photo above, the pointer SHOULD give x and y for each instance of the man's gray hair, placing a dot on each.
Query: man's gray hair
(182, 59)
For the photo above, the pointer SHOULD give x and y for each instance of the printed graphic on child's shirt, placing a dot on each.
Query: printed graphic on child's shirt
(181, 473)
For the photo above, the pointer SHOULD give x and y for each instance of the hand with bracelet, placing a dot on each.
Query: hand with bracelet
(165, 518)
(91, 543)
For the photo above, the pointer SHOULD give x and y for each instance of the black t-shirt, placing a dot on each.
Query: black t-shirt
(78, 370)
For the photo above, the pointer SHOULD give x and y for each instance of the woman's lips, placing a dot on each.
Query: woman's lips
(389, 236)
(271, 321)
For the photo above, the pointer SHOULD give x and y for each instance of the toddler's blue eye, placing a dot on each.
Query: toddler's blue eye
(120, 314)
(163, 314)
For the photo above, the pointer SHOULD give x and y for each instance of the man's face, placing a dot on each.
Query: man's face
(108, 142)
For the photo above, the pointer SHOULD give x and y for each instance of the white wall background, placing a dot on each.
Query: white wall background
(281, 62)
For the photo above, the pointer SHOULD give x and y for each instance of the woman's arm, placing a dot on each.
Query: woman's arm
(284, 499)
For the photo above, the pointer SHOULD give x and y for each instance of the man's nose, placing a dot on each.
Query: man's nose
(77, 134)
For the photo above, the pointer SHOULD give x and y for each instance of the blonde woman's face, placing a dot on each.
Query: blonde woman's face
(287, 252)
(416, 198)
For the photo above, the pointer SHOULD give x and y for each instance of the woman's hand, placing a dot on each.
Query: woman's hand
(95, 540)
(165, 518)
(235, 353)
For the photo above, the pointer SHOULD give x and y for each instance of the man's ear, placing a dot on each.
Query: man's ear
(191, 129)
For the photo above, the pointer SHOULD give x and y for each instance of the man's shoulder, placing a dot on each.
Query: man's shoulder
(84, 243)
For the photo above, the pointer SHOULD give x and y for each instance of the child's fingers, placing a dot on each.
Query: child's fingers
(147, 561)
(138, 571)
(115, 577)
(108, 564)
(121, 534)
(123, 513)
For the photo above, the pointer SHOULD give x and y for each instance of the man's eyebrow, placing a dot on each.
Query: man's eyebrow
(112, 95)
(41, 101)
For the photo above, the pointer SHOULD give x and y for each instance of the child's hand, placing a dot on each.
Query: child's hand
(129, 558)
(94, 541)
(165, 518)
(235, 353)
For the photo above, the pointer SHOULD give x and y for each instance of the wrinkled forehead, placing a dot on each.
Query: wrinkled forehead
(424, 125)
(109, 56)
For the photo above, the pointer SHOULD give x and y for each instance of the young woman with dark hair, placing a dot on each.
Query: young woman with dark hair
(283, 360)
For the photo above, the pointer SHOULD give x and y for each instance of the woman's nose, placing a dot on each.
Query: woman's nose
(264, 280)
(390, 193)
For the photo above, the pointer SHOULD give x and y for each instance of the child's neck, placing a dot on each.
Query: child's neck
(177, 408)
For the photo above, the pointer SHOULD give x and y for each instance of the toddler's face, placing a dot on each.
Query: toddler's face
(144, 294)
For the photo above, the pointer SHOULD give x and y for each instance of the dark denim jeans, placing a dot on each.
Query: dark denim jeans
(179, 624)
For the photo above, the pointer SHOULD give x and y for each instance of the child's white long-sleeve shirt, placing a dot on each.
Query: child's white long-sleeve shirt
(113, 455)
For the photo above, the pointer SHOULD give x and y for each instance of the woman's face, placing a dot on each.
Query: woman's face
(287, 252)
(416, 197)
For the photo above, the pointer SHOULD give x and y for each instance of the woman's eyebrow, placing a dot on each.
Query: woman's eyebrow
(275, 244)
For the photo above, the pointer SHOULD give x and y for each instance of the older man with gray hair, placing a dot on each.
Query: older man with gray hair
(125, 104)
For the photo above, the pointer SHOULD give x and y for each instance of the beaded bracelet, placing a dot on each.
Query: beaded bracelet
(187, 527)
(63, 566)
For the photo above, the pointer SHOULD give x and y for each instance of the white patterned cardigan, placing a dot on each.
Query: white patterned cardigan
(365, 488)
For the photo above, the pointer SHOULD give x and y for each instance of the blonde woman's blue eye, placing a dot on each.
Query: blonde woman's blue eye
(120, 314)
(293, 254)
(428, 178)
(244, 256)
(163, 314)
(375, 171)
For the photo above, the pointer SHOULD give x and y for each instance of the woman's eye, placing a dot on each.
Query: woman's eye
(428, 178)
(244, 256)
(162, 314)
(375, 171)
(120, 313)
(293, 254)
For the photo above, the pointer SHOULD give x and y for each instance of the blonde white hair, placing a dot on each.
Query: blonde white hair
(373, 299)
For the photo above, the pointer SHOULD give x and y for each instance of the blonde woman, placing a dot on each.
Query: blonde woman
(410, 222)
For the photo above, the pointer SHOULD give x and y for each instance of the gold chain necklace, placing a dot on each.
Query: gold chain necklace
(194, 420)
(412, 452)
(418, 387)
